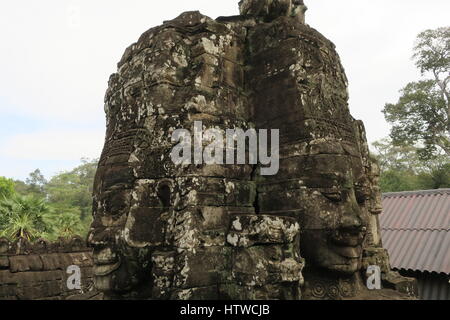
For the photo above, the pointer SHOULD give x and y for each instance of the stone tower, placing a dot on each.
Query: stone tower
(166, 230)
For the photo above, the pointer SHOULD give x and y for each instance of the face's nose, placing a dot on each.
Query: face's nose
(351, 218)
(351, 222)
(100, 237)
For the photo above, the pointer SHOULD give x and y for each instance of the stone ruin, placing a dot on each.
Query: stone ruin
(39, 271)
(221, 231)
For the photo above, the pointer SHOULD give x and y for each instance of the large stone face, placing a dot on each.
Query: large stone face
(164, 230)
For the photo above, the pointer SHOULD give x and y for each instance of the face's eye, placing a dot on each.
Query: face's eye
(335, 196)
(361, 195)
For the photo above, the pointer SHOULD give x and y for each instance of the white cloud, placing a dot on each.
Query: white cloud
(57, 55)
(375, 41)
(54, 145)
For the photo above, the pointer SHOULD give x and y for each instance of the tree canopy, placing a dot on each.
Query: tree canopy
(24, 217)
(6, 187)
(403, 170)
(41, 208)
(421, 117)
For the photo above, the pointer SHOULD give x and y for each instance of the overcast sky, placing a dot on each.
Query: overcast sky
(56, 57)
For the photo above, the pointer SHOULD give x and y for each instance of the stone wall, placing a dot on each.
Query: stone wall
(40, 271)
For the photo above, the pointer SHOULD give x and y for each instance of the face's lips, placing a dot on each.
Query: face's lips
(106, 269)
(106, 261)
(348, 243)
(377, 210)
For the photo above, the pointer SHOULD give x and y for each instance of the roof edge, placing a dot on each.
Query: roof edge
(417, 193)
(432, 272)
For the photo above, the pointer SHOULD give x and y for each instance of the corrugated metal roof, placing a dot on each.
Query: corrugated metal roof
(433, 287)
(415, 229)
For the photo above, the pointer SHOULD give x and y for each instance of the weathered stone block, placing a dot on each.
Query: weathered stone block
(376, 257)
(119, 175)
(35, 262)
(7, 291)
(4, 262)
(406, 285)
(199, 227)
(80, 259)
(163, 264)
(51, 261)
(4, 246)
(261, 265)
(249, 230)
(6, 277)
(146, 226)
(202, 267)
(48, 289)
(240, 193)
(25, 263)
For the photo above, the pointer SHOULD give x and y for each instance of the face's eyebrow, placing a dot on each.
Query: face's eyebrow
(328, 181)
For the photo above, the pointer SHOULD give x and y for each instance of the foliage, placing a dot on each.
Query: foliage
(438, 178)
(66, 225)
(24, 217)
(6, 187)
(403, 170)
(66, 198)
(36, 183)
(421, 117)
(396, 157)
(73, 189)
(432, 51)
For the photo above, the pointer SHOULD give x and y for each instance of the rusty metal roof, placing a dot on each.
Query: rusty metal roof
(415, 229)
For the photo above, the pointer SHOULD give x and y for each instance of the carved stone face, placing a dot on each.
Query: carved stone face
(376, 206)
(128, 225)
(119, 265)
(117, 271)
(333, 218)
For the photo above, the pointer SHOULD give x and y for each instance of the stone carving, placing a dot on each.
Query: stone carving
(197, 231)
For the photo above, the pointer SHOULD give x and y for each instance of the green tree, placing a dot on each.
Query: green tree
(6, 187)
(403, 170)
(421, 117)
(68, 196)
(24, 217)
(36, 183)
(68, 224)
(437, 178)
(21, 187)
(396, 181)
(73, 189)
(397, 157)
